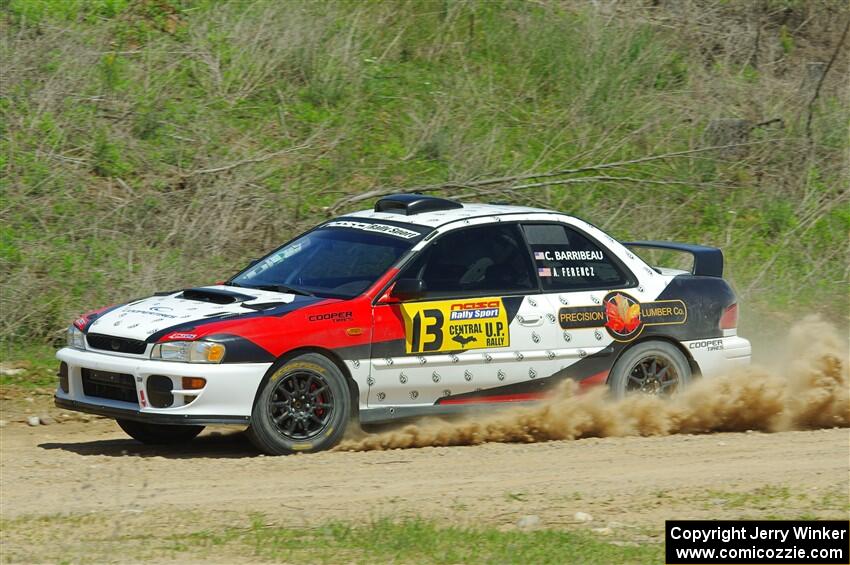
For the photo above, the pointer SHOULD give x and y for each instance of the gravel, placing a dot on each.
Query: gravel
(527, 522)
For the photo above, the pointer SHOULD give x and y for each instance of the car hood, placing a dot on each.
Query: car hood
(143, 318)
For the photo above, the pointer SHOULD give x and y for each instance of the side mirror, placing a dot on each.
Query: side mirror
(252, 262)
(408, 289)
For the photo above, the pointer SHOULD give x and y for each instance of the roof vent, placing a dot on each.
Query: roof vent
(410, 204)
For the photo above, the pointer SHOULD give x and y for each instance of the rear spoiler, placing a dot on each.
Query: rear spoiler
(708, 261)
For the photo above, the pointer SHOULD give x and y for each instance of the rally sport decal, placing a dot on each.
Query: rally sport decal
(623, 316)
(455, 325)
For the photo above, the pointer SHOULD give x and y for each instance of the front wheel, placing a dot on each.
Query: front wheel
(304, 406)
(159, 434)
(655, 368)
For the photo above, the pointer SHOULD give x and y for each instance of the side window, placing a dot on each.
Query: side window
(489, 259)
(567, 260)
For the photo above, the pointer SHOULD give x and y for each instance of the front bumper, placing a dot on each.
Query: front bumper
(149, 415)
(226, 398)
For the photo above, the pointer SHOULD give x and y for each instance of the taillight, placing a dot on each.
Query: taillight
(729, 319)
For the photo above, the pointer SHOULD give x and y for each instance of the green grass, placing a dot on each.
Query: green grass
(39, 367)
(777, 500)
(419, 541)
(381, 541)
(760, 498)
(110, 109)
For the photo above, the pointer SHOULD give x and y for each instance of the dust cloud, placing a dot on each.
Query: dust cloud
(807, 390)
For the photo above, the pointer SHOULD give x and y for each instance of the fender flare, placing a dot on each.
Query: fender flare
(695, 370)
(353, 389)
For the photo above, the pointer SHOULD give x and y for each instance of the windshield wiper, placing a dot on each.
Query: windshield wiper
(283, 288)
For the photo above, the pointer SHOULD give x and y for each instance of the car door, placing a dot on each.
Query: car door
(576, 274)
(459, 338)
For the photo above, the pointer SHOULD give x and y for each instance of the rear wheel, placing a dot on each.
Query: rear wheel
(656, 368)
(304, 406)
(159, 434)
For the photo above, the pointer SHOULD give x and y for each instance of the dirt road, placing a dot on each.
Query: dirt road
(77, 468)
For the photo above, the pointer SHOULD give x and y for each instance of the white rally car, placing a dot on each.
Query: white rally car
(422, 306)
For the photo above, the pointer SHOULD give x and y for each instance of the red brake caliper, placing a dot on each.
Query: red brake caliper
(319, 399)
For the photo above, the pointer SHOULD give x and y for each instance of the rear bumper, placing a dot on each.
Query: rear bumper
(720, 356)
(226, 398)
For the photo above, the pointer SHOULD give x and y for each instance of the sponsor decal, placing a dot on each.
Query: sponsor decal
(331, 317)
(707, 344)
(455, 325)
(581, 317)
(178, 336)
(475, 310)
(623, 316)
(376, 228)
(149, 312)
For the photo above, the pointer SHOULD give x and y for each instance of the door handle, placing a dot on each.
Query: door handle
(530, 320)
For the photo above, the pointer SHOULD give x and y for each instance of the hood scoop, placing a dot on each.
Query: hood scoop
(215, 295)
(264, 305)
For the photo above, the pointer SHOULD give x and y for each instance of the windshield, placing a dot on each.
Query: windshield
(334, 260)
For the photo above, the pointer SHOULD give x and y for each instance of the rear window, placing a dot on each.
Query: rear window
(568, 260)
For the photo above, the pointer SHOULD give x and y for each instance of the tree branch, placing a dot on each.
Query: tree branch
(612, 178)
(259, 159)
(369, 195)
(811, 108)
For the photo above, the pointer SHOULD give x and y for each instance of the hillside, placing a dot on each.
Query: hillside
(157, 144)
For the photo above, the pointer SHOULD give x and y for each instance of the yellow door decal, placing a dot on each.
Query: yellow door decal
(455, 325)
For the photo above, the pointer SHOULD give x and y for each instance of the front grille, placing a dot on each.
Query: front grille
(104, 384)
(116, 344)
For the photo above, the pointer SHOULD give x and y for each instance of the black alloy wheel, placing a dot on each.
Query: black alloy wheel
(654, 375)
(303, 405)
(652, 367)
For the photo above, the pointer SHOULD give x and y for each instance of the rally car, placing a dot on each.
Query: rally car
(421, 306)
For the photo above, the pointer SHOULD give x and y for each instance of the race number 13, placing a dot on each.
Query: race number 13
(426, 332)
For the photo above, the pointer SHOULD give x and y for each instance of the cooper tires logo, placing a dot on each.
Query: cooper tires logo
(331, 316)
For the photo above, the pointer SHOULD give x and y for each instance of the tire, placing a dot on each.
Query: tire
(159, 434)
(641, 369)
(304, 406)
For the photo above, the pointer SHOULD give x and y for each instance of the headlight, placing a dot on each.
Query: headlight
(76, 339)
(189, 351)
